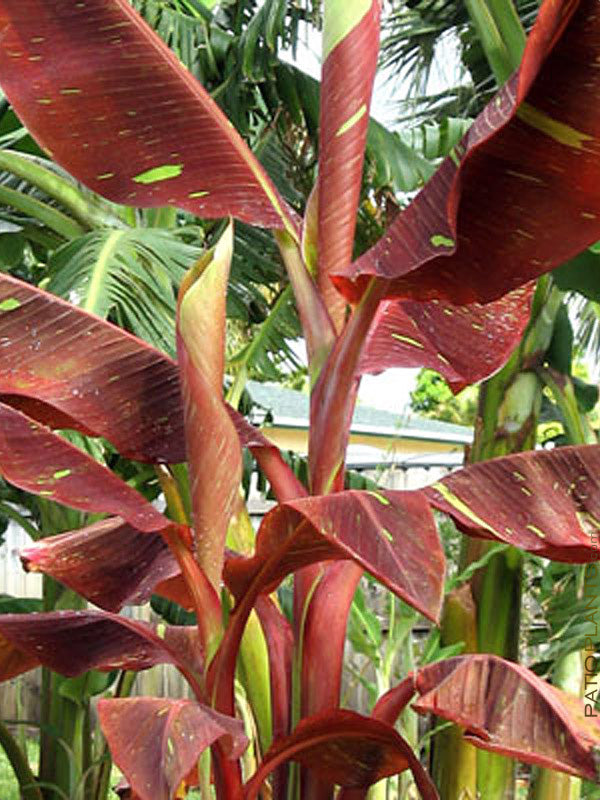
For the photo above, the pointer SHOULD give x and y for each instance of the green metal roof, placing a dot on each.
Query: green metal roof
(289, 408)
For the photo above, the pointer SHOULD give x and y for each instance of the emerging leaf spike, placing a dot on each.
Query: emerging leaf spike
(350, 47)
(213, 449)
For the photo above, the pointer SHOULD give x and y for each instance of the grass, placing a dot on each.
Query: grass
(9, 788)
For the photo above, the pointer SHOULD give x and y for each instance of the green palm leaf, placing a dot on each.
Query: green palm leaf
(269, 348)
(132, 273)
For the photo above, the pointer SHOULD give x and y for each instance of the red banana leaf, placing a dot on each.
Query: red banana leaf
(545, 502)
(13, 661)
(213, 448)
(390, 534)
(463, 343)
(116, 386)
(350, 49)
(39, 461)
(110, 563)
(114, 106)
(507, 709)
(72, 642)
(347, 749)
(89, 375)
(156, 742)
(520, 194)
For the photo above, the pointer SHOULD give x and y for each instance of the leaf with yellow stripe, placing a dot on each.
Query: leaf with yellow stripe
(519, 194)
(350, 49)
(100, 91)
(545, 502)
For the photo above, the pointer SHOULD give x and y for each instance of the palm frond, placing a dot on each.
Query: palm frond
(268, 348)
(586, 326)
(426, 39)
(132, 273)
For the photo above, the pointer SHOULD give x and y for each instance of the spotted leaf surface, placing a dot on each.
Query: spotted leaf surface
(347, 749)
(351, 46)
(72, 642)
(113, 105)
(110, 563)
(507, 709)
(546, 502)
(463, 343)
(67, 368)
(520, 194)
(157, 741)
(390, 534)
(35, 459)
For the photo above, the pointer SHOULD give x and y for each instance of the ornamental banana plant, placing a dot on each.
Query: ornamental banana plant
(449, 284)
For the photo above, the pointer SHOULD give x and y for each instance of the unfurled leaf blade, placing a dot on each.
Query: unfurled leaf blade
(452, 340)
(546, 502)
(110, 563)
(507, 709)
(533, 147)
(39, 461)
(347, 749)
(98, 89)
(100, 379)
(390, 534)
(72, 642)
(157, 741)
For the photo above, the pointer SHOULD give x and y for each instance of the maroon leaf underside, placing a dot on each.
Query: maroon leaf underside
(344, 748)
(525, 195)
(463, 343)
(110, 563)
(507, 709)
(14, 662)
(549, 503)
(107, 98)
(39, 461)
(72, 642)
(347, 82)
(157, 741)
(60, 364)
(390, 534)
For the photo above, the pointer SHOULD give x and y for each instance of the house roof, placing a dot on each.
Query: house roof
(290, 409)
